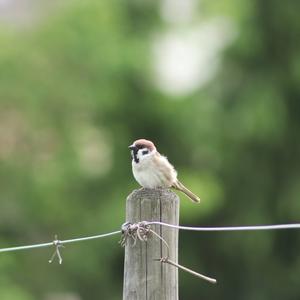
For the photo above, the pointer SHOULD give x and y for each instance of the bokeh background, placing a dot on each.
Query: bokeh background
(215, 84)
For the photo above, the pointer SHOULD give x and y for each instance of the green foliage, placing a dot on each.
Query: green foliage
(77, 89)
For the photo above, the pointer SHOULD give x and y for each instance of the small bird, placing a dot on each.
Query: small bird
(152, 170)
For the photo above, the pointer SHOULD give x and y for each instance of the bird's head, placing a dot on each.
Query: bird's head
(141, 148)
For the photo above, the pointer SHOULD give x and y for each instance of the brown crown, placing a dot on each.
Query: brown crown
(142, 143)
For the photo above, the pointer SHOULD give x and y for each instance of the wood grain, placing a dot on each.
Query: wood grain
(144, 278)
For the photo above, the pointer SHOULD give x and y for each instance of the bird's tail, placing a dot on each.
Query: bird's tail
(180, 187)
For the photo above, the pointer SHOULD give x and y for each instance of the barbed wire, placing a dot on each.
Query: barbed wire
(180, 227)
(56, 242)
(140, 231)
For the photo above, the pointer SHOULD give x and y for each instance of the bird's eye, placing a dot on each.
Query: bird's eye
(145, 152)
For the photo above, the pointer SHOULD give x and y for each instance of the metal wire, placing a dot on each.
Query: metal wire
(217, 229)
(229, 228)
(50, 244)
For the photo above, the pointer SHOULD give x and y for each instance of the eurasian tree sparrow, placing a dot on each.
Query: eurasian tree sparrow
(152, 170)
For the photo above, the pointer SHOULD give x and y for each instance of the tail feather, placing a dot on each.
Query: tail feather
(180, 187)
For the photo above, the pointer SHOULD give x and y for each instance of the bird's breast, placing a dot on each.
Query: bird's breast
(149, 175)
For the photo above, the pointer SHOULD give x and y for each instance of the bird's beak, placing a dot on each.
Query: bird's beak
(132, 147)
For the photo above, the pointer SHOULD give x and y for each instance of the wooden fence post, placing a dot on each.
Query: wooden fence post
(144, 278)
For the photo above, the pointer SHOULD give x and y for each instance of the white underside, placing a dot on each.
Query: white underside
(150, 175)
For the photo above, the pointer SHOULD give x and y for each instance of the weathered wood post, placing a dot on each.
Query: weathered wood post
(145, 278)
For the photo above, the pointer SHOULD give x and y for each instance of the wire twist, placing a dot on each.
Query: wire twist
(57, 244)
(134, 231)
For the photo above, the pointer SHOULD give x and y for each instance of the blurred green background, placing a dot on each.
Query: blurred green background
(215, 84)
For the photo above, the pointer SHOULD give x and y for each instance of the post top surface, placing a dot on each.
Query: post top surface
(147, 193)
